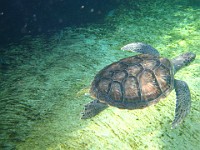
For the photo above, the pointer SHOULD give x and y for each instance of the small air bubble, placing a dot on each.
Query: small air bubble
(92, 10)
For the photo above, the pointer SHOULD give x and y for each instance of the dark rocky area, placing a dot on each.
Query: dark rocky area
(33, 17)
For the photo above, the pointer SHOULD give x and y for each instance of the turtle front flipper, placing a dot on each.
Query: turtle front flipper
(141, 48)
(183, 102)
(92, 109)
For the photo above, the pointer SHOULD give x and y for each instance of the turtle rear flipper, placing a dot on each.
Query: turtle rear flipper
(92, 109)
(183, 102)
(141, 48)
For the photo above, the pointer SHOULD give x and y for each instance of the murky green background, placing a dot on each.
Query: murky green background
(45, 87)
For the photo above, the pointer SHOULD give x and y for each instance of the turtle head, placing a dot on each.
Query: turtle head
(183, 60)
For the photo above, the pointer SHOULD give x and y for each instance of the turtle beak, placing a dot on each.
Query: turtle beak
(188, 57)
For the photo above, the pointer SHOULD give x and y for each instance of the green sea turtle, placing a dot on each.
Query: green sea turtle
(139, 81)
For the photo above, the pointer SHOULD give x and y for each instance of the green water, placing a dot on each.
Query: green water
(45, 88)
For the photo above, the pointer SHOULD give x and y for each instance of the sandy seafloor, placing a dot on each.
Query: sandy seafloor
(45, 81)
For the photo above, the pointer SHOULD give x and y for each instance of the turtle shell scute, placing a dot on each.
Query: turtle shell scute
(134, 82)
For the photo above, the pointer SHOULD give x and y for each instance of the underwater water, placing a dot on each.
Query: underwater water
(45, 81)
